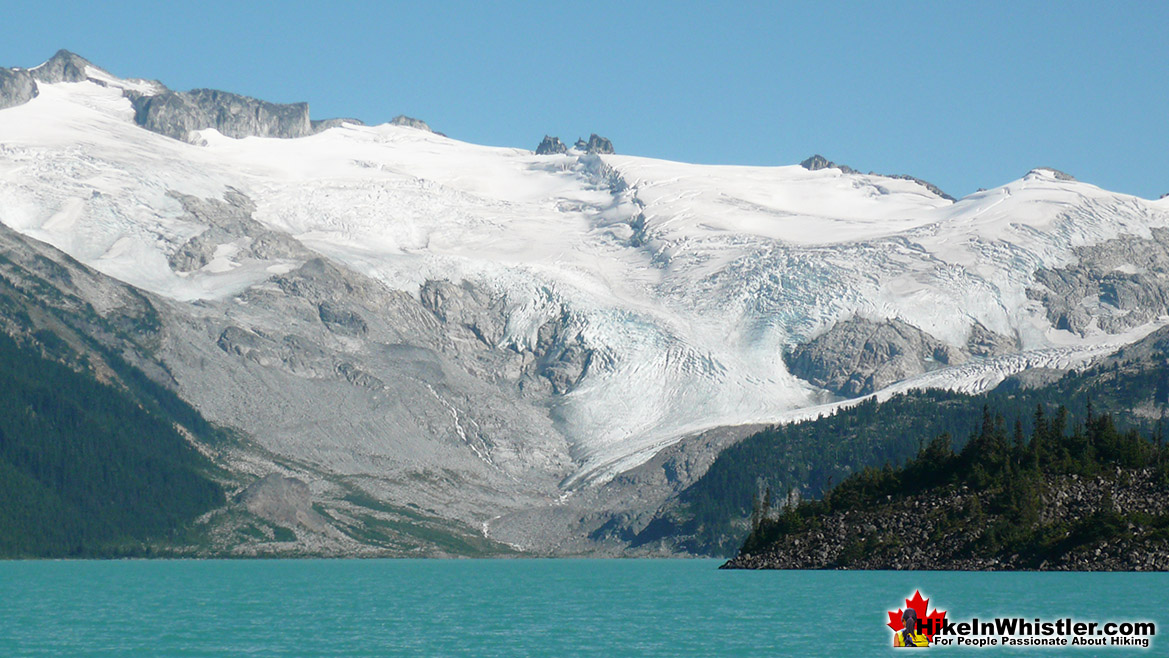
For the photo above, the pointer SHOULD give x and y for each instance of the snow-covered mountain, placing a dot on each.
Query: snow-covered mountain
(481, 332)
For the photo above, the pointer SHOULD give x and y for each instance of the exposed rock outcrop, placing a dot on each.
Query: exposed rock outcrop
(551, 146)
(1054, 173)
(926, 184)
(177, 114)
(556, 363)
(818, 162)
(858, 356)
(320, 125)
(341, 320)
(64, 66)
(562, 357)
(410, 122)
(1114, 286)
(595, 145)
(600, 145)
(466, 305)
(285, 501)
(230, 227)
(984, 342)
(17, 87)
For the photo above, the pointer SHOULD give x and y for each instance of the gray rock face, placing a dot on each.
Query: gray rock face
(599, 145)
(562, 357)
(410, 122)
(859, 356)
(284, 501)
(818, 162)
(177, 114)
(1115, 285)
(342, 320)
(62, 67)
(229, 223)
(595, 145)
(983, 342)
(17, 87)
(558, 362)
(322, 125)
(468, 306)
(551, 146)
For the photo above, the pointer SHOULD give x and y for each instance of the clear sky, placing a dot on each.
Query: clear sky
(965, 95)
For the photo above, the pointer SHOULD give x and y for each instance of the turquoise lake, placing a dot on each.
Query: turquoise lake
(519, 608)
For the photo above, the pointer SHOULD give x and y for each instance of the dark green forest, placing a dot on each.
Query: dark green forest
(809, 457)
(1007, 471)
(89, 469)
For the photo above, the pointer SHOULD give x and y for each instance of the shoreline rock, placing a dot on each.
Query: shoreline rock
(911, 533)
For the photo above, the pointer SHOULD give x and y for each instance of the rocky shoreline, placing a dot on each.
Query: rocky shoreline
(937, 531)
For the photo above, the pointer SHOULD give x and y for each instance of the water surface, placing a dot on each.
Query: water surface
(514, 607)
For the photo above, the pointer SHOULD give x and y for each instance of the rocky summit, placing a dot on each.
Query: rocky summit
(551, 146)
(595, 144)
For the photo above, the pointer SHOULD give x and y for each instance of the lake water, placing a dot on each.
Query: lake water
(516, 607)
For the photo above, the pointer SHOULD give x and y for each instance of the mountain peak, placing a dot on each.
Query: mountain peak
(596, 144)
(818, 162)
(551, 146)
(64, 66)
(1051, 172)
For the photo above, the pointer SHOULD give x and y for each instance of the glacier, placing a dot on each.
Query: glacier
(482, 330)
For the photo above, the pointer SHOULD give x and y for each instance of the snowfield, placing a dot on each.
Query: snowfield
(687, 282)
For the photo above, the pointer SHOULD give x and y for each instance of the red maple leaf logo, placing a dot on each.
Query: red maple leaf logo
(929, 623)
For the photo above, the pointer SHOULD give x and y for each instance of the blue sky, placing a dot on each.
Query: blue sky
(965, 95)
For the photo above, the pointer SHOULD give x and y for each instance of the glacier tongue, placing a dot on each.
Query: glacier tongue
(568, 316)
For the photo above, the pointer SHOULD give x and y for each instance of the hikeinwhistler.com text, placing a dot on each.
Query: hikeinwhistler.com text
(1019, 632)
